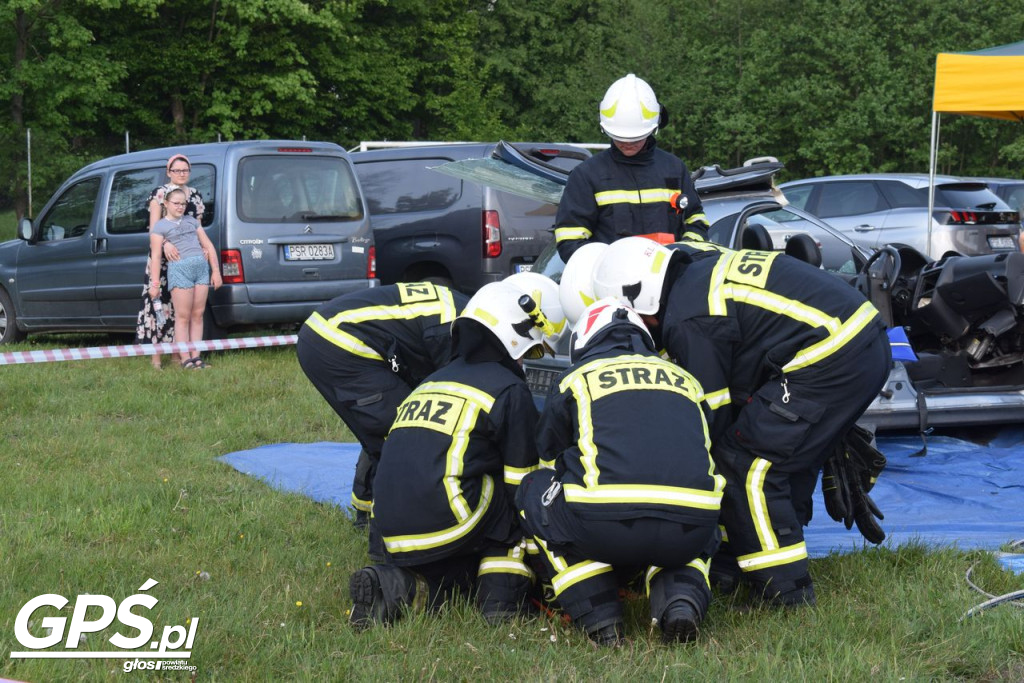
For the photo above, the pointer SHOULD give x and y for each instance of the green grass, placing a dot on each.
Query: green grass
(109, 477)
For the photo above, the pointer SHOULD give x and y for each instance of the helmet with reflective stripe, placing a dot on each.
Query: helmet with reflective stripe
(632, 270)
(496, 307)
(576, 288)
(598, 319)
(547, 310)
(629, 110)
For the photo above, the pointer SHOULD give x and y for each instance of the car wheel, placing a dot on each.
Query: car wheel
(211, 330)
(9, 332)
(440, 280)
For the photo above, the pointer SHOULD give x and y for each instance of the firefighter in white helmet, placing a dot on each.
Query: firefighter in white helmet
(789, 357)
(633, 489)
(632, 188)
(457, 450)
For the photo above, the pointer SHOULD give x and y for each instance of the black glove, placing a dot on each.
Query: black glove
(865, 460)
(847, 476)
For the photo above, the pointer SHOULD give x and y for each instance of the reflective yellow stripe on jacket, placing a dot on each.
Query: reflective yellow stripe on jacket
(653, 195)
(470, 404)
(749, 290)
(676, 380)
(418, 300)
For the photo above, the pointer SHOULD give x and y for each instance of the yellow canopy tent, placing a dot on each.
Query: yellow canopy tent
(987, 83)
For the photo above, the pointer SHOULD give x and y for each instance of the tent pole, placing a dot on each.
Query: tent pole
(931, 178)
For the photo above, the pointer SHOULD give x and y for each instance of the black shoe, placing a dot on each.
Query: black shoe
(725, 583)
(367, 599)
(361, 520)
(496, 613)
(680, 623)
(607, 636)
(798, 597)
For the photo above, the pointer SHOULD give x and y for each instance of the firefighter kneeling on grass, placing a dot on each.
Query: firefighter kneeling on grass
(789, 356)
(622, 500)
(460, 444)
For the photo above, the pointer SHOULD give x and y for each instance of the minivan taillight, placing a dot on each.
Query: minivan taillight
(231, 267)
(371, 264)
(492, 234)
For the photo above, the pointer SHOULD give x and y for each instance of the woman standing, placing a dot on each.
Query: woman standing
(156, 326)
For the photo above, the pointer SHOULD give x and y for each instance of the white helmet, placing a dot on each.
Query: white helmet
(629, 110)
(598, 318)
(632, 270)
(496, 307)
(547, 311)
(576, 289)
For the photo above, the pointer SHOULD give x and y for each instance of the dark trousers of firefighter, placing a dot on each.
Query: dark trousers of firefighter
(585, 558)
(365, 394)
(772, 455)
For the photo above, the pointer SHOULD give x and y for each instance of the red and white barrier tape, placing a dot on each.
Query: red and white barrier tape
(93, 352)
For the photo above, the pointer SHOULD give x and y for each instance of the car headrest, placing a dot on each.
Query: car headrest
(755, 236)
(802, 246)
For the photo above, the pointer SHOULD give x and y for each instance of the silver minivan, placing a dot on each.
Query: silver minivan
(892, 208)
(288, 218)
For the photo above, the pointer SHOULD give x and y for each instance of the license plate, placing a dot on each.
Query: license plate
(308, 252)
(1004, 242)
(524, 267)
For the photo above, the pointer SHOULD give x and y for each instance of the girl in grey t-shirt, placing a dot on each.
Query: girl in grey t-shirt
(189, 277)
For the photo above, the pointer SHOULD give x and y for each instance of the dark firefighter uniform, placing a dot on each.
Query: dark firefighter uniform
(633, 485)
(365, 351)
(611, 195)
(789, 357)
(457, 451)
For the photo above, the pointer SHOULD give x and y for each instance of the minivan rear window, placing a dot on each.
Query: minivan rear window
(297, 189)
(407, 185)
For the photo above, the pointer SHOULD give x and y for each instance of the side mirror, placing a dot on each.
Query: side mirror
(25, 229)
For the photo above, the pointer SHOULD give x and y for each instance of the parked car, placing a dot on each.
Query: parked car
(1010, 190)
(288, 219)
(433, 226)
(889, 208)
(963, 315)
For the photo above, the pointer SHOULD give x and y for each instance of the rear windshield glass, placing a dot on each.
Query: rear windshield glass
(407, 185)
(297, 189)
(967, 197)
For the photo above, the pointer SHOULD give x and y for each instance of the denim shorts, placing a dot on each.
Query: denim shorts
(188, 272)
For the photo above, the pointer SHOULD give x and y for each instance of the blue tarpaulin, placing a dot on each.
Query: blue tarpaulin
(961, 493)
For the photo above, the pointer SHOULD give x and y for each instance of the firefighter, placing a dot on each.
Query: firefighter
(789, 357)
(459, 446)
(633, 486)
(365, 351)
(633, 187)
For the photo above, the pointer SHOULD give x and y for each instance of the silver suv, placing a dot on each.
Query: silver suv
(891, 208)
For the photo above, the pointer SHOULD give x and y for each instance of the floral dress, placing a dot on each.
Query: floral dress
(148, 330)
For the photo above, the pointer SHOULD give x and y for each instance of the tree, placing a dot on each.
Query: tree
(58, 83)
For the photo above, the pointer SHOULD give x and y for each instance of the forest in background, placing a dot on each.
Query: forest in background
(826, 86)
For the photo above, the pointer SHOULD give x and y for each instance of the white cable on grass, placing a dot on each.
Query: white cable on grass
(993, 599)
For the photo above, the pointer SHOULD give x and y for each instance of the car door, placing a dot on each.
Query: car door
(124, 244)
(56, 274)
(854, 207)
(907, 220)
